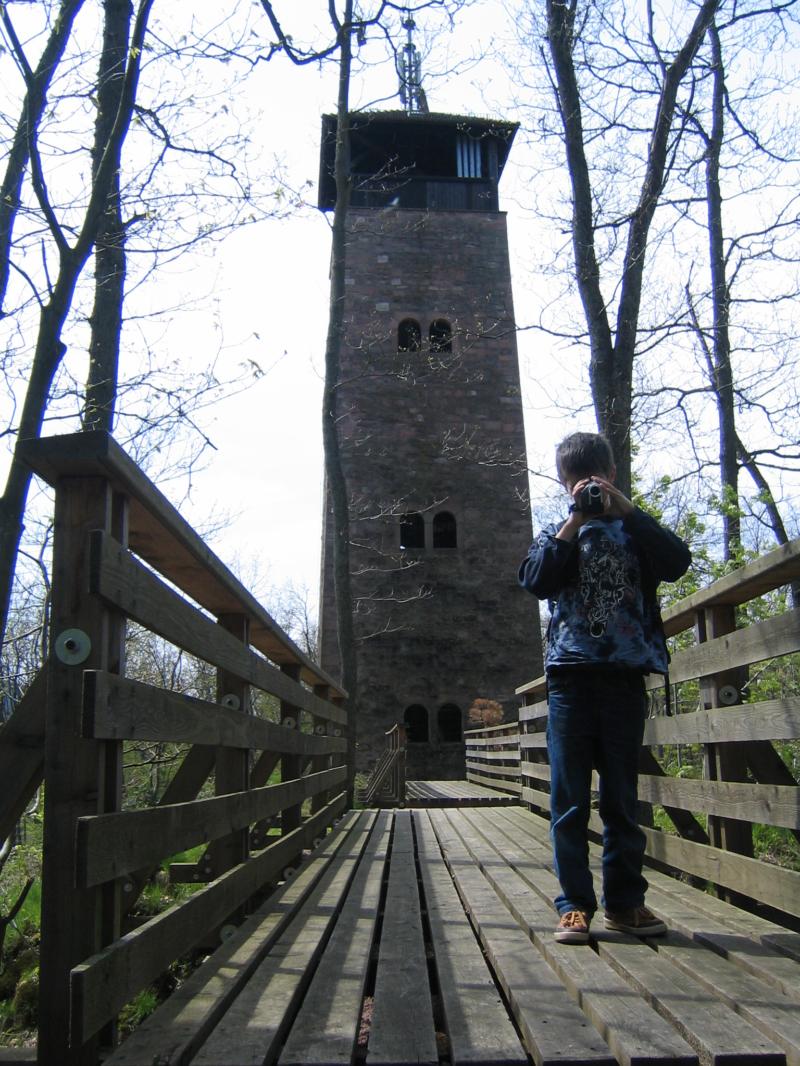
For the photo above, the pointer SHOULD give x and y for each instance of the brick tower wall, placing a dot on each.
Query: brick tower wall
(432, 432)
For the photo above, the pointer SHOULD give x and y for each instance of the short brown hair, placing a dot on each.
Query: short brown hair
(583, 454)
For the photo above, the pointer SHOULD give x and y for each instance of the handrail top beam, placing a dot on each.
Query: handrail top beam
(778, 567)
(164, 539)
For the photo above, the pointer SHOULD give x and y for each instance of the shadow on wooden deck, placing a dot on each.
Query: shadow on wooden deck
(426, 937)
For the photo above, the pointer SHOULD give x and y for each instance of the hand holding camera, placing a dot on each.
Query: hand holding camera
(597, 495)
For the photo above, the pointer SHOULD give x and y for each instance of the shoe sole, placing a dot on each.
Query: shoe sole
(641, 930)
(572, 938)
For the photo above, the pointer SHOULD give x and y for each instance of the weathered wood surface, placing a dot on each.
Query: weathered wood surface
(105, 982)
(111, 845)
(118, 708)
(159, 534)
(426, 936)
(454, 794)
(124, 583)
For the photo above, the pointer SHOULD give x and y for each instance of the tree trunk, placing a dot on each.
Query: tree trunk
(26, 132)
(334, 471)
(49, 346)
(110, 260)
(611, 361)
(720, 369)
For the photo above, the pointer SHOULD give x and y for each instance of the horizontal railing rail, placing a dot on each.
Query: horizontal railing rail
(262, 768)
(493, 757)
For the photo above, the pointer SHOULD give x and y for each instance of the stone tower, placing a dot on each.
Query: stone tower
(432, 432)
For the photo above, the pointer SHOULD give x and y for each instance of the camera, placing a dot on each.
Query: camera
(590, 500)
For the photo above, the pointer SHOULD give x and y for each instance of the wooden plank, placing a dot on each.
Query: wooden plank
(509, 755)
(768, 572)
(770, 1012)
(768, 639)
(111, 845)
(505, 772)
(778, 887)
(539, 770)
(766, 720)
(181, 1024)
(491, 730)
(118, 708)
(767, 804)
(254, 1026)
(160, 534)
(478, 1025)
(402, 1028)
(508, 742)
(718, 1035)
(774, 969)
(493, 783)
(533, 688)
(784, 941)
(126, 584)
(706, 1024)
(490, 782)
(326, 1028)
(553, 1027)
(534, 714)
(22, 754)
(633, 1031)
(104, 983)
(533, 740)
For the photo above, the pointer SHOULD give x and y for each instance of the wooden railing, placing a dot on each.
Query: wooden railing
(387, 782)
(117, 544)
(744, 781)
(492, 757)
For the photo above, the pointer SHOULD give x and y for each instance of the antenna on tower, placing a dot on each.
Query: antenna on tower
(412, 94)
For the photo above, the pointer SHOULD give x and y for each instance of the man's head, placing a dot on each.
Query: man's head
(582, 455)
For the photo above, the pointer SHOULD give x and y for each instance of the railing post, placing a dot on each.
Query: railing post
(290, 764)
(320, 762)
(232, 770)
(82, 777)
(723, 762)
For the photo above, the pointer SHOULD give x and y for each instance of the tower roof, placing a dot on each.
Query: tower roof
(408, 147)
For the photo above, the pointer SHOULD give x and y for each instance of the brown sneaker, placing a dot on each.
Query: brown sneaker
(638, 920)
(573, 928)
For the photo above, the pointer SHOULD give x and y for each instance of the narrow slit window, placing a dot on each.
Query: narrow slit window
(441, 336)
(415, 720)
(412, 530)
(445, 531)
(409, 336)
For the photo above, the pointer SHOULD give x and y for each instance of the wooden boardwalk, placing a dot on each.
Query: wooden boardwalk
(455, 794)
(425, 936)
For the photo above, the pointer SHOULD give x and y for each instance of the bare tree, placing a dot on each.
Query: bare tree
(580, 87)
(65, 197)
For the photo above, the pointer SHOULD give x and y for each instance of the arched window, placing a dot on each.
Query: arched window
(409, 336)
(412, 530)
(449, 721)
(441, 336)
(444, 530)
(415, 719)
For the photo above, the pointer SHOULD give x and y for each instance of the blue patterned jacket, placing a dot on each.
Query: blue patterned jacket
(601, 588)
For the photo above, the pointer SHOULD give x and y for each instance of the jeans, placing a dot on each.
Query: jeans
(596, 720)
